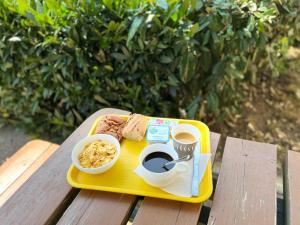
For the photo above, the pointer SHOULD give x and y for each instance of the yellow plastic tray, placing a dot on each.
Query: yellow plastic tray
(122, 179)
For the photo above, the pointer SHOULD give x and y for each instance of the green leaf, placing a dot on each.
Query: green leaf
(134, 27)
(218, 68)
(187, 67)
(213, 102)
(141, 44)
(203, 25)
(101, 56)
(125, 51)
(75, 35)
(206, 37)
(39, 6)
(101, 100)
(109, 68)
(186, 5)
(251, 24)
(193, 108)
(206, 60)
(259, 15)
(108, 4)
(194, 29)
(162, 46)
(162, 4)
(172, 13)
(77, 115)
(127, 105)
(173, 80)
(119, 56)
(22, 6)
(45, 93)
(34, 107)
(30, 16)
(8, 65)
(165, 59)
(2, 45)
(157, 22)
(196, 4)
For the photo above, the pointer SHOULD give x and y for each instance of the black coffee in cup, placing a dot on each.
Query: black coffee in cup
(155, 162)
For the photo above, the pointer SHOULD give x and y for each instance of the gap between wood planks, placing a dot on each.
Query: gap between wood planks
(63, 207)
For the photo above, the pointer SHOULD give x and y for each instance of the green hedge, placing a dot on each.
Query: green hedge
(63, 60)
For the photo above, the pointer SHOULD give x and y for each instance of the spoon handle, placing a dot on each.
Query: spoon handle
(178, 160)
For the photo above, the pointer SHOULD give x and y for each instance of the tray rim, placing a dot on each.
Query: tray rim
(199, 199)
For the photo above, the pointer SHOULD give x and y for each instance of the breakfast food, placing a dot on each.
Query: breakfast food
(135, 127)
(97, 153)
(112, 125)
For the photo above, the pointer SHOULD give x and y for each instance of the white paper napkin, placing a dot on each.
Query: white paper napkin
(182, 184)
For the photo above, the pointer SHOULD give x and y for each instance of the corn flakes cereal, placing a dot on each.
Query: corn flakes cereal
(97, 153)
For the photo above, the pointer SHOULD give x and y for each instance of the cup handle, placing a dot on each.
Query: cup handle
(182, 168)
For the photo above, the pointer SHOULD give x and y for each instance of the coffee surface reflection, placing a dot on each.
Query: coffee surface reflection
(155, 162)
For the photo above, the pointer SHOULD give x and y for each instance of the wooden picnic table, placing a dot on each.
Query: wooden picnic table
(245, 192)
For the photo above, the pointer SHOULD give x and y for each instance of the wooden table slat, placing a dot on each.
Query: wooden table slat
(38, 199)
(18, 163)
(246, 188)
(97, 207)
(292, 188)
(167, 212)
(19, 181)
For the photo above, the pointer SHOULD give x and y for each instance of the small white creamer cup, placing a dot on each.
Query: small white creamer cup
(182, 148)
(165, 178)
(79, 147)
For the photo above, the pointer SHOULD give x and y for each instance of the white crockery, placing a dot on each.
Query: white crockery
(182, 148)
(165, 178)
(79, 147)
(185, 128)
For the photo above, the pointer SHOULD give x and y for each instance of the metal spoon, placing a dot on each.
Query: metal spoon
(185, 158)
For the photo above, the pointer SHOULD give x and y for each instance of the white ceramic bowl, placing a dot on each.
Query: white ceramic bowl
(80, 146)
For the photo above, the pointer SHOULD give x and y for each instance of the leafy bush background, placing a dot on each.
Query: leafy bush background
(63, 60)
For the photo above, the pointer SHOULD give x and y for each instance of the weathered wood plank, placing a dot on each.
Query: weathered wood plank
(96, 207)
(165, 212)
(292, 188)
(20, 161)
(38, 199)
(22, 178)
(246, 188)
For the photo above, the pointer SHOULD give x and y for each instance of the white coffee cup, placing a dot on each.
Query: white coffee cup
(165, 178)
